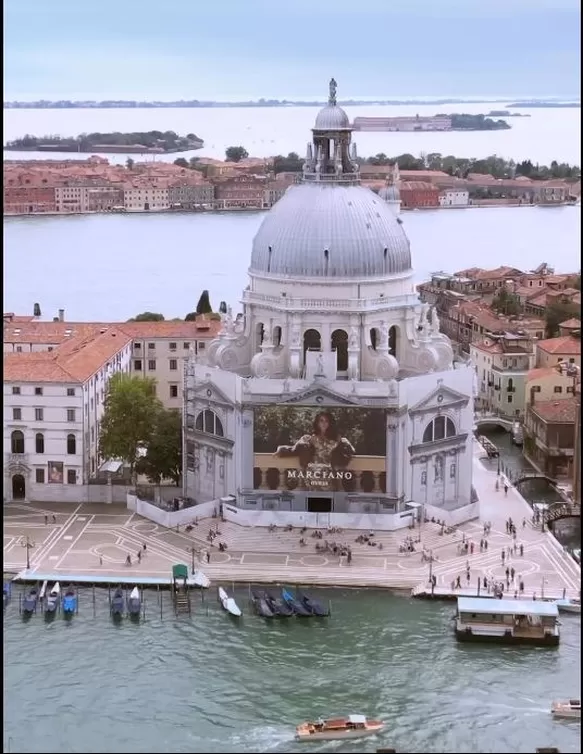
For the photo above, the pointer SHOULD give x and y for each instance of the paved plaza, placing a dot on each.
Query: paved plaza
(95, 540)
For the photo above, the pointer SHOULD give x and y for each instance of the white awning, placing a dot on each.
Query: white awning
(111, 466)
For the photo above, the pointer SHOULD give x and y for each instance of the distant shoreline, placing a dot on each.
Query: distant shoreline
(263, 103)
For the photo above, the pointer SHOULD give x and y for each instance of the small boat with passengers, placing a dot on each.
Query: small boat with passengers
(228, 603)
(507, 621)
(570, 710)
(569, 606)
(338, 728)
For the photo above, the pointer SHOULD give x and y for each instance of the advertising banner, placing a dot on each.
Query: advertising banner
(56, 472)
(316, 449)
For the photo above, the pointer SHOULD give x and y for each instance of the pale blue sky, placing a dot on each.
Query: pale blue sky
(239, 49)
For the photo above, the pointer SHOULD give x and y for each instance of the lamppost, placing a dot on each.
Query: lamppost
(29, 544)
(192, 551)
(542, 588)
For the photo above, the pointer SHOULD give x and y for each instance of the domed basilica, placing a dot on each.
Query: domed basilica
(333, 399)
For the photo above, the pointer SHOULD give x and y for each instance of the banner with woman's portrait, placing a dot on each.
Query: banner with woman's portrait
(56, 472)
(319, 449)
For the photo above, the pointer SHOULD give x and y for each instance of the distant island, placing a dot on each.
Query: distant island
(139, 142)
(424, 123)
(506, 114)
(108, 104)
(536, 103)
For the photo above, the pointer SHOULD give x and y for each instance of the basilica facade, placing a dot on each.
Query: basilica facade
(333, 392)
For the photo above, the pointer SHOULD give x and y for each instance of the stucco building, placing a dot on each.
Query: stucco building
(334, 397)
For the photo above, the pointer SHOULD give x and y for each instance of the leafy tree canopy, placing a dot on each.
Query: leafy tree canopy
(163, 459)
(204, 304)
(557, 313)
(507, 303)
(129, 418)
(190, 317)
(147, 317)
(181, 162)
(236, 154)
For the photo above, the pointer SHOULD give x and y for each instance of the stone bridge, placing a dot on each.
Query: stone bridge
(528, 475)
(482, 420)
(562, 510)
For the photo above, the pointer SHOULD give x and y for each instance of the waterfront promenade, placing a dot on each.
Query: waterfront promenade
(92, 542)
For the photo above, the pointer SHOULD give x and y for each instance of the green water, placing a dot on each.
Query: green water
(211, 684)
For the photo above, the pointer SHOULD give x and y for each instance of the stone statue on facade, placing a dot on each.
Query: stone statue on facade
(320, 365)
(434, 321)
(286, 385)
(228, 323)
(438, 469)
(267, 336)
(296, 337)
(332, 92)
(353, 339)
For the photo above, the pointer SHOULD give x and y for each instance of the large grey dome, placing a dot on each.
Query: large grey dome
(331, 118)
(326, 230)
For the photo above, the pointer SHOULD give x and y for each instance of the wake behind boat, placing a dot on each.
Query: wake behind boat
(338, 729)
(117, 603)
(228, 603)
(52, 600)
(134, 603)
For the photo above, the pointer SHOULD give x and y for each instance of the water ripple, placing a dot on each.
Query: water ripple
(207, 684)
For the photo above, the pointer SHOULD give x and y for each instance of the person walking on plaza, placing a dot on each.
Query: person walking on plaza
(521, 550)
(46, 519)
(505, 489)
(54, 519)
(503, 555)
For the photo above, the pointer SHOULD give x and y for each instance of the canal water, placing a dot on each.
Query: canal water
(209, 684)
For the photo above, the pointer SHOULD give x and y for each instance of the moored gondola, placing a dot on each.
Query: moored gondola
(261, 606)
(117, 603)
(69, 602)
(7, 592)
(298, 607)
(29, 601)
(134, 603)
(279, 606)
(315, 607)
(52, 600)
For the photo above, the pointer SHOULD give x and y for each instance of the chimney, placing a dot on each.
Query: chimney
(61, 315)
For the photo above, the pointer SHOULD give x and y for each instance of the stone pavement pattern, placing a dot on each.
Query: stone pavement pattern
(81, 536)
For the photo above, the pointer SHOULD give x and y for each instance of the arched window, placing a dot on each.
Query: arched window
(277, 336)
(438, 429)
(259, 333)
(39, 442)
(17, 441)
(374, 338)
(312, 341)
(71, 445)
(207, 421)
(393, 340)
(339, 343)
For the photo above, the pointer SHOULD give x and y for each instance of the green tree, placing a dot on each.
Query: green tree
(130, 163)
(163, 459)
(147, 317)
(557, 313)
(507, 303)
(181, 162)
(204, 304)
(191, 317)
(130, 413)
(236, 154)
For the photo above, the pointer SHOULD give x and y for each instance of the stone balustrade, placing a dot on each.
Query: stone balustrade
(325, 304)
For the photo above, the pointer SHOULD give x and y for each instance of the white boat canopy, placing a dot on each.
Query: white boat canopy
(357, 719)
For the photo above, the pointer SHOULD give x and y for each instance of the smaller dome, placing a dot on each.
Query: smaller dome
(331, 118)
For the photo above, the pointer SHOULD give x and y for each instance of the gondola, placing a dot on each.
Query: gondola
(279, 606)
(298, 607)
(7, 592)
(261, 606)
(315, 607)
(228, 603)
(69, 602)
(52, 600)
(134, 603)
(117, 603)
(29, 601)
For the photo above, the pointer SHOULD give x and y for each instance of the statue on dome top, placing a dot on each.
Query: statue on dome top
(332, 95)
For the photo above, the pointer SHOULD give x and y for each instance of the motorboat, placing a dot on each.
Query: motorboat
(338, 728)
(570, 710)
(117, 603)
(30, 600)
(298, 607)
(69, 601)
(315, 607)
(261, 606)
(134, 603)
(279, 606)
(228, 603)
(52, 599)
(569, 606)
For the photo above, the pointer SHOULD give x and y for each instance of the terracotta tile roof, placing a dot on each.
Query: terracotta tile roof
(540, 372)
(40, 366)
(572, 323)
(202, 328)
(556, 412)
(565, 344)
(539, 300)
(418, 186)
